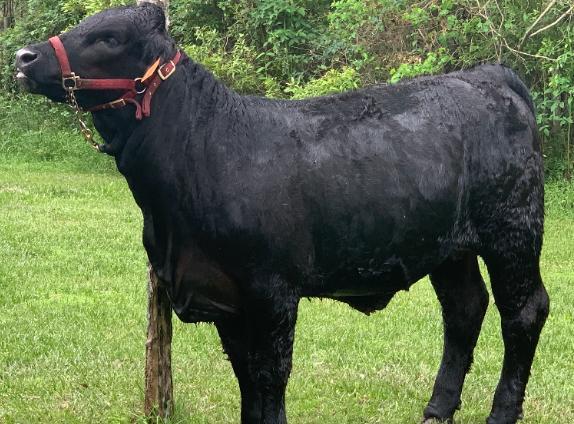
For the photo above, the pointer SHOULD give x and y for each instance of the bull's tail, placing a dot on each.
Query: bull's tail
(516, 84)
(503, 75)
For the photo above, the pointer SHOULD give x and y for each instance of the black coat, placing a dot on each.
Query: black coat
(352, 196)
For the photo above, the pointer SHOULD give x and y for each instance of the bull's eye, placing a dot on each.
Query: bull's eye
(110, 41)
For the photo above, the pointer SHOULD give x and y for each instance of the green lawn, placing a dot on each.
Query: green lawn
(72, 322)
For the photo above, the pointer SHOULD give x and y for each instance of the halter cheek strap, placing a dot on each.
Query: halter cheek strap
(147, 85)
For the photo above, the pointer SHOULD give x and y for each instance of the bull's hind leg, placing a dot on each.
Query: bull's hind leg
(464, 299)
(523, 305)
(510, 233)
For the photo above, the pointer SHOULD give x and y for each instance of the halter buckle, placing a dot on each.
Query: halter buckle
(70, 83)
(171, 70)
(117, 104)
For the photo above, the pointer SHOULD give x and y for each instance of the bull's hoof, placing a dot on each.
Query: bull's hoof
(434, 415)
(507, 418)
(434, 420)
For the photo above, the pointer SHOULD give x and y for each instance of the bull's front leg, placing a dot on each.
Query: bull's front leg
(236, 344)
(260, 347)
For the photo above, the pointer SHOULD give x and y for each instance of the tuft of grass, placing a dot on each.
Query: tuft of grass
(35, 130)
(559, 199)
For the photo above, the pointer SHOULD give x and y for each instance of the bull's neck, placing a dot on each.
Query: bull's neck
(191, 102)
(178, 141)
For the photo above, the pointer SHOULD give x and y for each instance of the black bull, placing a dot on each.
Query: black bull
(250, 204)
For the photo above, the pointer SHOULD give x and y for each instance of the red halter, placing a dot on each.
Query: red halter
(146, 85)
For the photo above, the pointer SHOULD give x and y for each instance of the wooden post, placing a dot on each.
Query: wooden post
(158, 382)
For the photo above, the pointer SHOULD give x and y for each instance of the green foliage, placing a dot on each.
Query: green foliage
(185, 15)
(88, 7)
(334, 81)
(34, 130)
(433, 64)
(347, 16)
(283, 31)
(295, 48)
(555, 102)
(236, 66)
(346, 20)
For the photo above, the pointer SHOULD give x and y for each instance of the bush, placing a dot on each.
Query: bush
(296, 48)
(334, 81)
(236, 66)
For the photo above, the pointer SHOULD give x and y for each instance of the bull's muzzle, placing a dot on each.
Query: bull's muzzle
(25, 58)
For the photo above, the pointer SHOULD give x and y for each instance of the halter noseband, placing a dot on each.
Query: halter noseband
(146, 85)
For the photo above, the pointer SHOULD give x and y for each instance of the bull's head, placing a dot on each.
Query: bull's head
(116, 43)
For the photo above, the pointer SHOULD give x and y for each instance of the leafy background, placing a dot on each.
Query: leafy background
(300, 48)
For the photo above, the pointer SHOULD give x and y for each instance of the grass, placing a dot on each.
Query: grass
(72, 316)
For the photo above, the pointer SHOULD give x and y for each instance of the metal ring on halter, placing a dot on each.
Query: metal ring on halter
(70, 83)
(139, 83)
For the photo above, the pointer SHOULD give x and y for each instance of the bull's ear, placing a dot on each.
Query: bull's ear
(157, 45)
(159, 14)
(157, 42)
(161, 21)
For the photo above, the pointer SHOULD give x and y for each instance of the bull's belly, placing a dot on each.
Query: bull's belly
(362, 282)
(201, 291)
(202, 297)
(370, 288)
(381, 270)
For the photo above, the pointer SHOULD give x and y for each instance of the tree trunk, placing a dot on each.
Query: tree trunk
(158, 381)
(7, 20)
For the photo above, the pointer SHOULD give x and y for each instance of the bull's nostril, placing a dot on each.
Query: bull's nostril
(25, 57)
